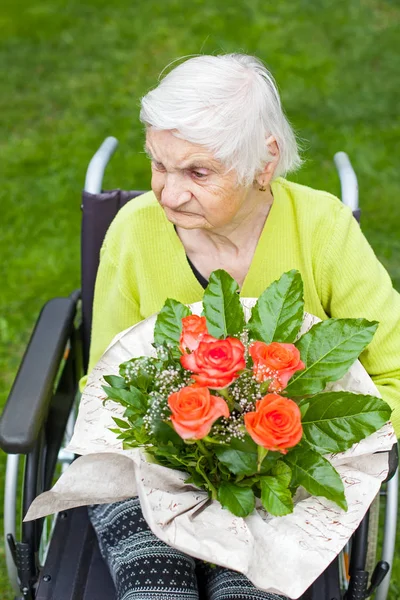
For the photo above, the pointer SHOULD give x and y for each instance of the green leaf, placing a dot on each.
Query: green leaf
(144, 381)
(278, 313)
(328, 350)
(261, 454)
(124, 435)
(115, 381)
(196, 479)
(121, 423)
(139, 396)
(141, 435)
(316, 474)
(303, 405)
(168, 455)
(283, 472)
(130, 444)
(247, 481)
(238, 462)
(269, 461)
(275, 496)
(135, 421)
(168, 327)
(122, 369)
(336, 420)
(241, 457)
(240, 501)
(164, 433)
(221, 305)
(245, 444)
(131, 413)
(132, 398)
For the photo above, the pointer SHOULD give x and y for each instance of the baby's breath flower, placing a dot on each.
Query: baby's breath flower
(157, 411)
(136, 367)
(245, 391)
(172, 379)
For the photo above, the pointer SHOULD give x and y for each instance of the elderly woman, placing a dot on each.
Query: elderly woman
(219, 144)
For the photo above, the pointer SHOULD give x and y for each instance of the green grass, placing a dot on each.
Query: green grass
(73, 73)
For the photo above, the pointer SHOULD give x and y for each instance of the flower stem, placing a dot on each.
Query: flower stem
(211, 440)
(208, 455)
(214, 492)
(203, 448)
(261, 454)
(225, 394)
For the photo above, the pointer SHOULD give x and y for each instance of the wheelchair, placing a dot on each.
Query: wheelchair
(38, 421)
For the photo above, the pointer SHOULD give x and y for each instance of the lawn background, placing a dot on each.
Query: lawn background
(73, 72)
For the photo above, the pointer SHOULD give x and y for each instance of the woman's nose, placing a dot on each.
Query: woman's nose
(174, 195)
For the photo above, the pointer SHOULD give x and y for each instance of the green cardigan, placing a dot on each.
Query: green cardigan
(143, 263)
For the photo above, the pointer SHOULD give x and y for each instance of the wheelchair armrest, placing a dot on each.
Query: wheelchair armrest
(393, 461)
(28, 403)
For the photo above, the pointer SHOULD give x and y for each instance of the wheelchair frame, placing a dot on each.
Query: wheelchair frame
(39, 413)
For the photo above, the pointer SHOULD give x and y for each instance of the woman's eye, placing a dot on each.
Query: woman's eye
(199, 174)
(158, 166)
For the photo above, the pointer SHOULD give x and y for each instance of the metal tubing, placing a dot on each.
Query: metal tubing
(359, 546)
(348, 180)
(96, 168)
(389, 538)
(33, 486)
(10, 507)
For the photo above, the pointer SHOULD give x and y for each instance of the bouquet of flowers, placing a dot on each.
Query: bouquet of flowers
(240, 406)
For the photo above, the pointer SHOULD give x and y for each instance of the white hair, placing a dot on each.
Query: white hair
(230, 105)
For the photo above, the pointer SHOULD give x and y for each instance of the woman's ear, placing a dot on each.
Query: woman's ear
(273, 148)
(267, 173)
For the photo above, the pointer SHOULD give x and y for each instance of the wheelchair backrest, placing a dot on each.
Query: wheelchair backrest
(98, 210)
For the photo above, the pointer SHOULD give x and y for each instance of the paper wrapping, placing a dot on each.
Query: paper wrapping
(281, 555)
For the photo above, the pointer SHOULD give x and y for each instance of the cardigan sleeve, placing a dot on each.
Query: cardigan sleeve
(355, 284)
(114, 307)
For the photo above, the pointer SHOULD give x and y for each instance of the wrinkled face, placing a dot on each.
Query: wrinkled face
(192, 186)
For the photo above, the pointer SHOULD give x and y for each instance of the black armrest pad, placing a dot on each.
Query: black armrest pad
(29, 399)
(393, 461)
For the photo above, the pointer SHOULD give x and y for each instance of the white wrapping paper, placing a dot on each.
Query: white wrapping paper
(278, 554)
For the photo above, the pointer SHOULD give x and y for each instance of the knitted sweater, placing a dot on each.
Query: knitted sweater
(143, 262)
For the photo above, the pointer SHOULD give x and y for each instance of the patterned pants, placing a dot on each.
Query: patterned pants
(145, 568)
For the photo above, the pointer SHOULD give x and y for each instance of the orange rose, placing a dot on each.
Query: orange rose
(275, 361)
(194, 410)
(215, 362)
(193, 329)
(275, 424)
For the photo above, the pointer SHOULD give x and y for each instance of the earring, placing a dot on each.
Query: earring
(263, 188)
